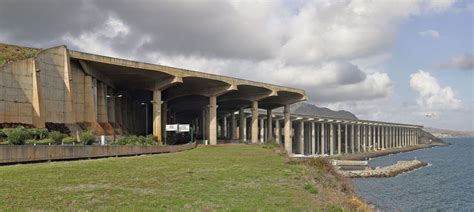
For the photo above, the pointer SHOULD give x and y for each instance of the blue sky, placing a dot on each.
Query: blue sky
(391, 60)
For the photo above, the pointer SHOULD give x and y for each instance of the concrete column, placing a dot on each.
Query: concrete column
(318, 138)
(269, 124)
(287, 130)
(352, 137)
(339, 133)
(358, 137)
(212, 120)
(323, 139)
(346, 143)
(370, 145)
(224, 127)
(164, 118)
(313, 138)
(364, 138)
(262, 130)
(277, 131)
(331, 139)
(233, 126)
(242, 125)
(254, 122)
(383, 137)
(301, 137)
(379, 137)
(157, 114)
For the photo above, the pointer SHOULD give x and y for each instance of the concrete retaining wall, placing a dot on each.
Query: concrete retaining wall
(29, 153)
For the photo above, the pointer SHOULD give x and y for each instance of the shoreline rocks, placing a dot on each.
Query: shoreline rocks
(387, 171)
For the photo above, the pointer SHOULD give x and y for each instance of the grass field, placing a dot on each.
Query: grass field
(239, 177)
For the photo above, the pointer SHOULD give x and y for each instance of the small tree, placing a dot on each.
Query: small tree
(56, 136)
(87, 137)
(17, 136)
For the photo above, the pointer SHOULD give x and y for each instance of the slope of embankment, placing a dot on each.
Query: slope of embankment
(12, 53)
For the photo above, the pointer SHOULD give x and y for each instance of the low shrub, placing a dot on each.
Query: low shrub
(46, 141)
(68, 140)
(134, 140)
(311, 189)
(270, 144)
(38, 133)
(87, 137)
(17, 136)
(56, 136)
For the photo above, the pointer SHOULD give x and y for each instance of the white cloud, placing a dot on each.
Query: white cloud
(429, 33)
(431, 96)
(461, 62)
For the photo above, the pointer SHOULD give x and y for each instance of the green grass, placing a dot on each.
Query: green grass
(238, 177)
(11, 53)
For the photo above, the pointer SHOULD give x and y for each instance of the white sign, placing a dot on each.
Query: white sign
(171, 127)
(183, 128)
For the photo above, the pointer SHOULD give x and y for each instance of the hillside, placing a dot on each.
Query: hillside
(12, 53)
(209, 178)
(310, 109)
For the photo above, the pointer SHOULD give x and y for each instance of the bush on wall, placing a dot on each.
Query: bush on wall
(87, 137)
(134, 140)
(17, 136)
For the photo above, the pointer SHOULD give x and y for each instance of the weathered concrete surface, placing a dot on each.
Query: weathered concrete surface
(387, 171)
(29, 153)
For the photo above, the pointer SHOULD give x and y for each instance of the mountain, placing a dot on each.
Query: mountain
(443, 133)
(12, 53)
(310, 109)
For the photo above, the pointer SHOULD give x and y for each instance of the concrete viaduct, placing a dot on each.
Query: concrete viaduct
(114, 96)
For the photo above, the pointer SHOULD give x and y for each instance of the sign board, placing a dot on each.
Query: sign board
(183, 128)
(171, 127)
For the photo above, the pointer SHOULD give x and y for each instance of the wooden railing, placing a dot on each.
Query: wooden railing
(29, 153)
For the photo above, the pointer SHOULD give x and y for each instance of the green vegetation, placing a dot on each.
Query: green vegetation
(11, 53)
(87, 137)
(17, 136)
(311, 189)
(39, 136)
(57, 137)
(136, 140)
(211, 178)
(68, 140)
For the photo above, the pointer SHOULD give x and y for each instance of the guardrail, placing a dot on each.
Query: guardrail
(29, 153)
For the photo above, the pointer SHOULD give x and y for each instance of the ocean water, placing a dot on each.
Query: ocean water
(446, 184)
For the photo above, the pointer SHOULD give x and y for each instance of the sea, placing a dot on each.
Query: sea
(446, 184)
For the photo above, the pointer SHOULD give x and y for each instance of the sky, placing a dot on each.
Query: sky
(408, 61)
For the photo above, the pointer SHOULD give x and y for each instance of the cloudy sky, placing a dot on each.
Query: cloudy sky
(394, 60)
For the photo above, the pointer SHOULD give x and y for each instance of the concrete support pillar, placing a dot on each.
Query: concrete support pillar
(254, 122)
(262, 130)
(364, 139)
(339, 133)
(313, 138)
(212, 116)
(301, 137)
(242, 125)
(287, 130)
(323, 139)
(277, 132)
(370, 145)
(331, 139)
(383, 137)
(157, 114)
(233, 126)
(358, 137)
(318, 138)
(269, 124)
(346, 141)
(379, 137)
(164, 118)
(352, 137)
(224, 127)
